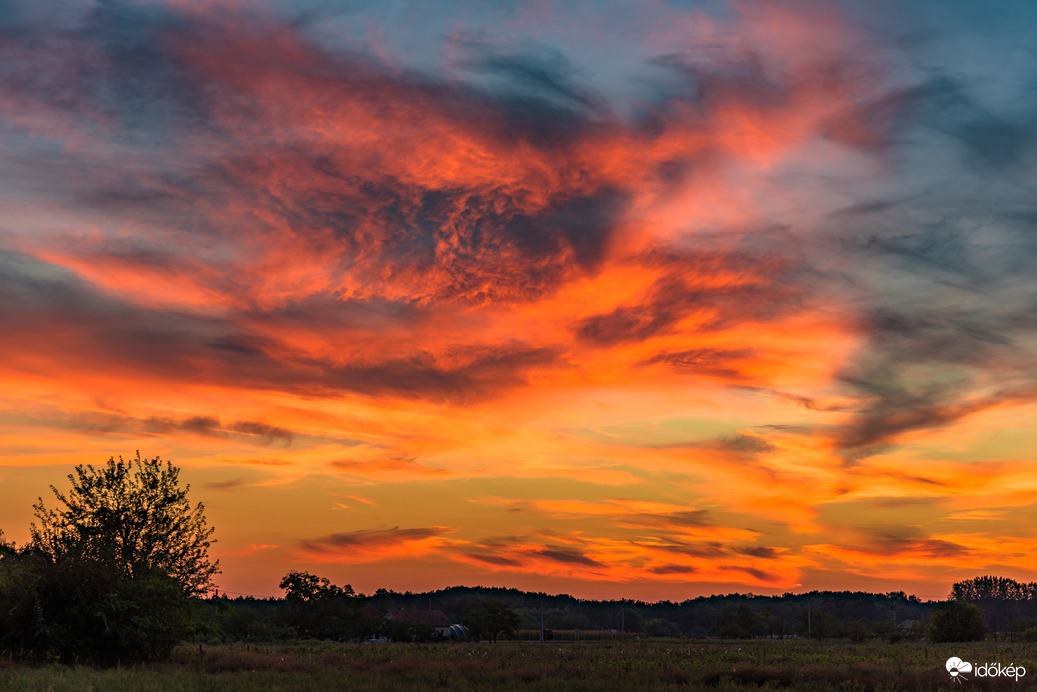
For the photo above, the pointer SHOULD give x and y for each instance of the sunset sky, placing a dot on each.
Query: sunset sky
(652, 299)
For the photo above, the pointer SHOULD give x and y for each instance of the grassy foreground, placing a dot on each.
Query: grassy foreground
(630, 665)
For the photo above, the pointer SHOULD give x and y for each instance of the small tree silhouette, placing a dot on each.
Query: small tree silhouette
(955, 621)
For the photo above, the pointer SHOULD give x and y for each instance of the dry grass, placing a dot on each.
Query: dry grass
(505, 666)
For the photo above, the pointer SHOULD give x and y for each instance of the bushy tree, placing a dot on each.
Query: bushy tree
(303, 587)
(107, 578)
(491, 619)
(80, 610)
(316, 608)
(956, 621)
(133, 515)
(739, 622)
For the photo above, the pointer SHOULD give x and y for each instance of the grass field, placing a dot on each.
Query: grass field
(568, 666)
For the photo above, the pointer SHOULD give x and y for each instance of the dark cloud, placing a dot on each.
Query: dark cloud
(893, 403)
(759, 551)
(890, 541)
(806, 402)
(193, 90)
(962, 319)
(537, 87)
(126, 338)
(745, 446)
(370, 539)
(688, 518)
(986, 139)
(497, 560)
(710, 549)
(567, 556)
(672, 569)
(752, 572)
(119, 424)
(539, 69)
(271, 434)
(709, 361)
(227, 485)
(485, 371)
(896, 411)
(763, 290)
(725, 76)
(252, 431)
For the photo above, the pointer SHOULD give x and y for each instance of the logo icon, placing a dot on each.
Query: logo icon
(955, 666)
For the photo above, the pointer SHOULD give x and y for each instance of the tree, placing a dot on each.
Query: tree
(956, 621)
(491, 619)
(134, 515)
(79, 610)
(1001, 599)
(316, 608)
(989, 588)
(304, 587)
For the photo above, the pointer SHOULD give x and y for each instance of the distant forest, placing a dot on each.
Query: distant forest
(1009, 611)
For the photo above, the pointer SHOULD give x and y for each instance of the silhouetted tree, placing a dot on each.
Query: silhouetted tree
(491, 619)
(316, 608)
(739, 622)
(304, 587)
(956, 621)
(109, 577)
(81, 610)
(133, 515)
(1002, 600)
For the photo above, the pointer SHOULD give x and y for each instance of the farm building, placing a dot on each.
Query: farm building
(435, 618)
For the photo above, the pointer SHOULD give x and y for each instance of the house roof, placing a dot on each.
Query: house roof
(371, 613)
(417, 616)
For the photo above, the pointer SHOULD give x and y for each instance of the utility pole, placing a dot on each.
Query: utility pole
(543, 632)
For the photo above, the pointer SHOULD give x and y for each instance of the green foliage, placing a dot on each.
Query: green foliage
(133, 515)
(108, 577)
(316, 608)
(956, 621)
(301, 587)
(739, 622)
(657, 627)
(490, 620)
(990, 588)
(80, 609)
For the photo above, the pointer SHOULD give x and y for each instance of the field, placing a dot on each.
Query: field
(628, 665)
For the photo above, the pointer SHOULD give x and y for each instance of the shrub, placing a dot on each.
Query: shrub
(79, 610)
(956, 621)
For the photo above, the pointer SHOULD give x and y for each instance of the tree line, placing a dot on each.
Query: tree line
(120, 572)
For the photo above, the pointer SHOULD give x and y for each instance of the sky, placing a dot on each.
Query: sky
(641, 300)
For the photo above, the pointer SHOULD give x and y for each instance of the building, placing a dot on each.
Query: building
(437, 619)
